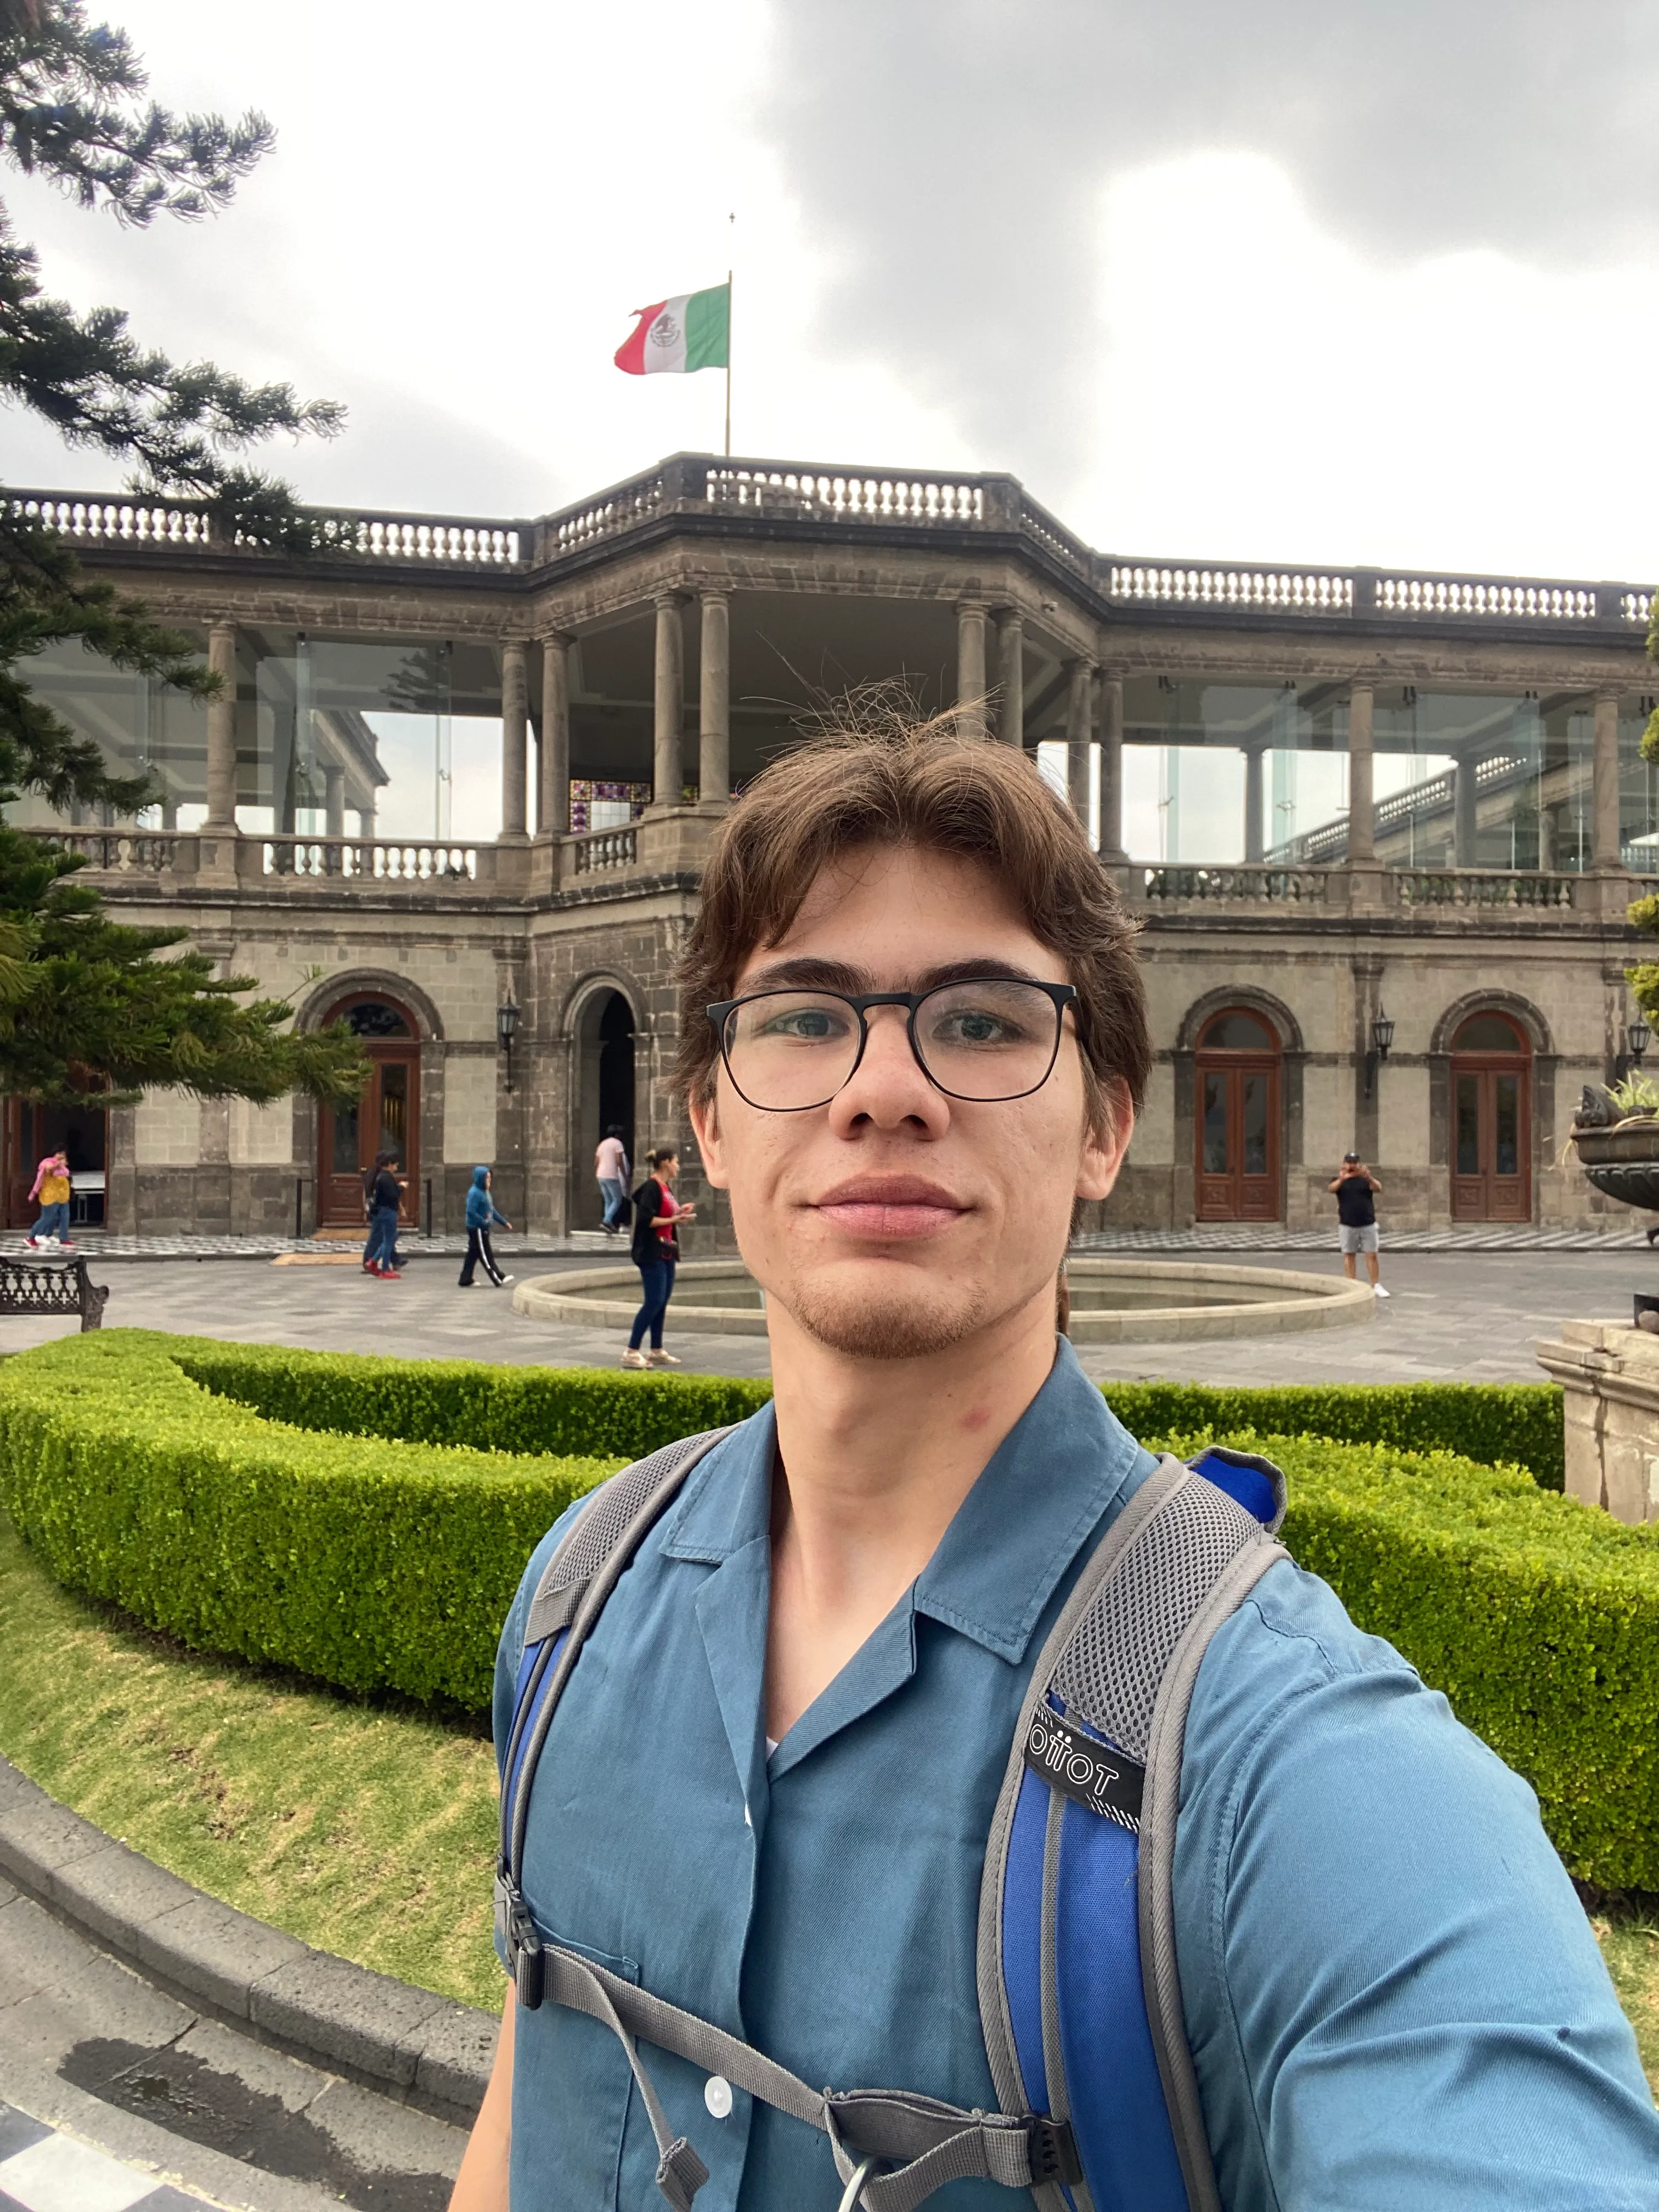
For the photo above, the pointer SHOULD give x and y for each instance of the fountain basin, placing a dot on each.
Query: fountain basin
(1128, 1301)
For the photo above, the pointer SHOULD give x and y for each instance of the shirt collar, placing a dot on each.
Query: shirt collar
(1045, 1490)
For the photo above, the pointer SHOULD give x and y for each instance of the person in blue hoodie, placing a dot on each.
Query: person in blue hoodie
(481, 1218)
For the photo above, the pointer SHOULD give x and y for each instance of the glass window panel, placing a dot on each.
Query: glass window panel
(1488, 1033)
(1639, 790)
(394, 1106)
(1468, 1115)
(370, 738)
(1239, 1032)
(1256, 1125)
(374, 1019)
(138, 725)
(346, 1155)
(1215, 1124)
(1506, 1118)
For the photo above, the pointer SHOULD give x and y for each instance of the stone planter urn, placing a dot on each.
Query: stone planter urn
(1623, 1161)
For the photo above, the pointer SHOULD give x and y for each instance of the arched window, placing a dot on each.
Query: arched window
(1491, 1119)
(1238, 1114)
(386, 1118)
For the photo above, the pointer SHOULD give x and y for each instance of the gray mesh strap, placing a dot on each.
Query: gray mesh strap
(1160, 1805)
(1012, 2094)
(615, 1527)
(939, 2143)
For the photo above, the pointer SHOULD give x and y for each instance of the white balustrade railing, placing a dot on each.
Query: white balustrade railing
(126, 852)
(1502, 598)
(839, 495)
(1484, 888)
(1637, 607)
(368, 861)
(183, 525)
(629, 505)
(1275, 590)
(167, 524)
(599, 849)
(1251, 884)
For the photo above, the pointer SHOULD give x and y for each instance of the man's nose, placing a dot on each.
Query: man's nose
(889, 1087)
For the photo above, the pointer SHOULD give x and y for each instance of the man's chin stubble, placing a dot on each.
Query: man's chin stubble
(884, 1329)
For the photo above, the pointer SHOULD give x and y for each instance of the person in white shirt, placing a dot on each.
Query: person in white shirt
(610, 1166)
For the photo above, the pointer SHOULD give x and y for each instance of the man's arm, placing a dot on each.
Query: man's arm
(481, 2184)
(1377, 1187)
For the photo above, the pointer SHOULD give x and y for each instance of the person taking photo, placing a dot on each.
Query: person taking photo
(1357, 1191)
(809, 1730)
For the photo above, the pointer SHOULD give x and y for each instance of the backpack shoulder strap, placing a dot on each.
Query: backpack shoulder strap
(1079, 1995)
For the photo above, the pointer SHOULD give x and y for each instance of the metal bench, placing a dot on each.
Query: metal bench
(26, 1287)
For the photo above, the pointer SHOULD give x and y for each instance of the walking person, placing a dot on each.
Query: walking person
(52, 1186)
(656, 1251)
(1357, 1191)
(610, 1166)
(385, 1188)
(481, 1218)
(889, 1663)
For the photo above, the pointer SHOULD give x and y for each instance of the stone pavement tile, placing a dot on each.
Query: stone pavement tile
(18, 2130)
(94, 2007)
(59, 2174)
(360, 2019)
(37, 1953)
(385, 2137)
(214, 1951)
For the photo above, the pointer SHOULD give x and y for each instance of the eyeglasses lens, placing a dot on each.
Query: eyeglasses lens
(990, 1040)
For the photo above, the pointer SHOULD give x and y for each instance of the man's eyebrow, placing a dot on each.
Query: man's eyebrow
(805, 974)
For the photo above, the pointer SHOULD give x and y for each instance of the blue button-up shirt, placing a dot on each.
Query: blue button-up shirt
(1393, 1997)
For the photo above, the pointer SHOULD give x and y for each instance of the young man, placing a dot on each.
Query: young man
(766, 1793)
(1357, 1191)
(612, 1170)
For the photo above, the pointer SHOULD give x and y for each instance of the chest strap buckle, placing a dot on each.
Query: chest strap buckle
(516, 1930)
(1054, 2152)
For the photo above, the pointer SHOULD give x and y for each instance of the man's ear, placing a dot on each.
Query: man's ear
(1105, 1140)
(703, 1111)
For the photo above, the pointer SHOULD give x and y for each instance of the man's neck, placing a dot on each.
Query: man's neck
(876, 1457)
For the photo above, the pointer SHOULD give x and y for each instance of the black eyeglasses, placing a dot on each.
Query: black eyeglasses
(989, 1038)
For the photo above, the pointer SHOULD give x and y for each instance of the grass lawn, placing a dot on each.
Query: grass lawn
(366, 1828)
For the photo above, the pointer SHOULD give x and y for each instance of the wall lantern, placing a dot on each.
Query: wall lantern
(1381, 1038)
(507, 1023)
(1637, 1037)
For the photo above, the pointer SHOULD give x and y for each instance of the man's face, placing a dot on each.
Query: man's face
(896, 1221)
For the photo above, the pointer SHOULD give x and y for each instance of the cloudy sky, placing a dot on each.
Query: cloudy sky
(1305, 280)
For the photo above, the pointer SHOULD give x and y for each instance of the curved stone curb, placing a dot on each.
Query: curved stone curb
(404, 2042)
(1268, 1301)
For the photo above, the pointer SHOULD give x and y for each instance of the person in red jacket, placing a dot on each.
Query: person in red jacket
(655, 1251)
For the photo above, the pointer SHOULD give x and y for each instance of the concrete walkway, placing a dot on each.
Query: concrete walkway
(1462, 1316)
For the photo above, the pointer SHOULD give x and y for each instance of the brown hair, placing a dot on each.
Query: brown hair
(920, 785)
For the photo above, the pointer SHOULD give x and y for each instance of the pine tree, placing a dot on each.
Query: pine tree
(84, 1004)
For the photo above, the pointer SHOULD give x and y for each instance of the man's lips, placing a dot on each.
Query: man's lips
(882, 1209)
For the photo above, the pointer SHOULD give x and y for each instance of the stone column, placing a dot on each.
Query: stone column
(714, 702)
(668, 767)
(1010, 679)
(1111, 769)
(970, 670)
(515, 738)
(555, 736)
(334, 801)
(1604, 783)
(1254, 847)
(221, 733)
(1362, 805)
(1079, 717)
(1466, 821)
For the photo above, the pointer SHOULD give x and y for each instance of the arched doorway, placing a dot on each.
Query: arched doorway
(386, 1118)
(605, 1095)
(1237, 1071)
(1491, 1120)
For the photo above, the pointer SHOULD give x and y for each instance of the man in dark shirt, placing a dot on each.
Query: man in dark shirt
(1357, 1192)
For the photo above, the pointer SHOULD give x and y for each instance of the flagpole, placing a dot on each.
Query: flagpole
(728, 361)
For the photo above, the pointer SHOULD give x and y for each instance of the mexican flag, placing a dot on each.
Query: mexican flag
(691, 330)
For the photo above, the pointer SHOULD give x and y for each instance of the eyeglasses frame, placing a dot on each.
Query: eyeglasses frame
(1063, 994)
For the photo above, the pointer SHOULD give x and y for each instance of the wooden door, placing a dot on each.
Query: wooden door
(1492, 1132)
(386, 1118)
(1238, 1118)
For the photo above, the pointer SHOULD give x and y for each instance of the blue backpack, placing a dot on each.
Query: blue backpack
(1079, 1997)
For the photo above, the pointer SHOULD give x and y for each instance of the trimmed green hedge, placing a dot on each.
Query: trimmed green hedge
(1537, 1616)
(365, 1521)
(462, 1401)
(1499, 1424)
(375, 1566)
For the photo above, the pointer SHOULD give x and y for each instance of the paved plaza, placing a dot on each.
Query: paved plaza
(1457, 1315)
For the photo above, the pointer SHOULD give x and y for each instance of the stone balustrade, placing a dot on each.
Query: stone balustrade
(1272, 591)
(601, 850)
(1173, 884)
(371, 861)
(1512, 891)
(127, 852)
(175, 526)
